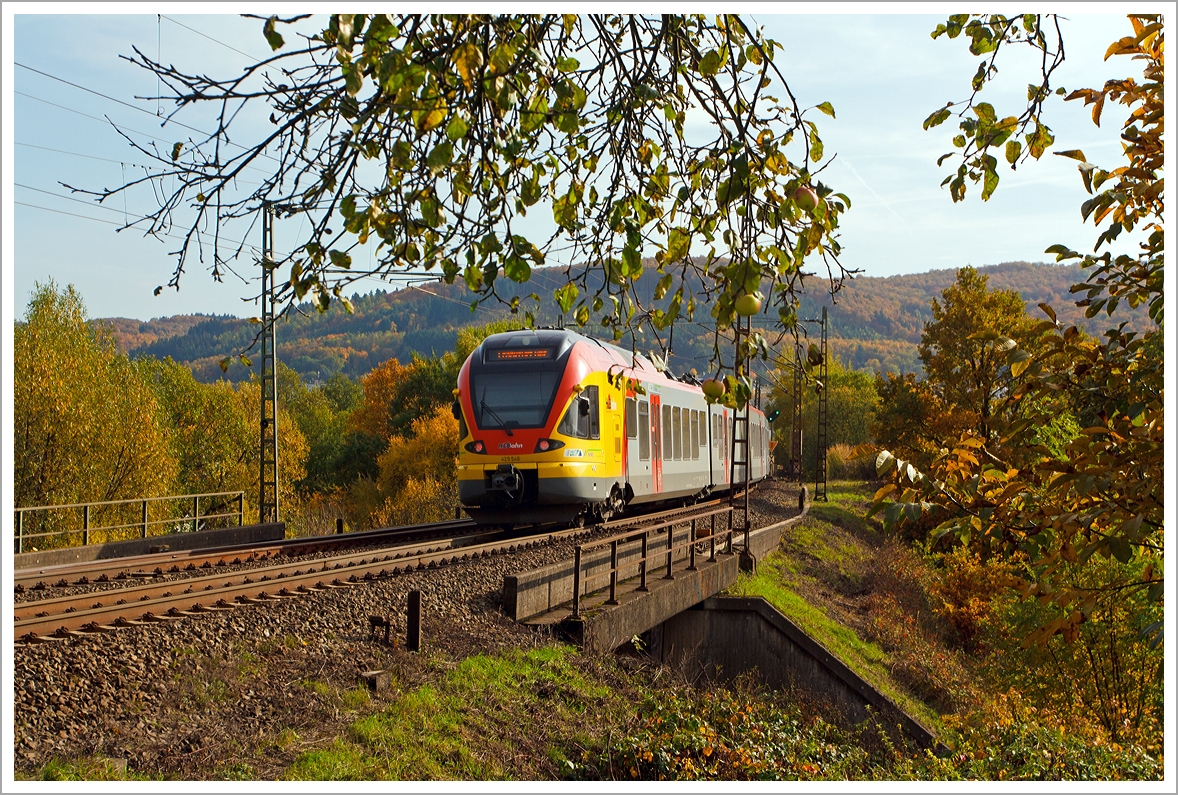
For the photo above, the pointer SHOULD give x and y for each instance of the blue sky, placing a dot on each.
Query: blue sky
(882, 72)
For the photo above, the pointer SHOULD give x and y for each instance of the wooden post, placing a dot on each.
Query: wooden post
(413, 624)
(670, 551)
(642, 563)
(85, 525)
(339, 525)
(195, 513)
(20, 531)
(576, 581)
(613, 573)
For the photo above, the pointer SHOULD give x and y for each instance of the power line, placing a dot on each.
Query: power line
(210, 38)
(76, 215)
(95, 205)
(79, 154)
(107, 159)
(133, 107)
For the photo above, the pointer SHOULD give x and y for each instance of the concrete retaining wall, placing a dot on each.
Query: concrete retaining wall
(532, 593)
(726, 636)
(608, 629)
(249, 534)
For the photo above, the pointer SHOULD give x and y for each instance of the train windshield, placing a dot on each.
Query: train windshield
(511, 400)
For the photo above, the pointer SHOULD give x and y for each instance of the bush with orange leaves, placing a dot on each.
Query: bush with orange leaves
(417, 476)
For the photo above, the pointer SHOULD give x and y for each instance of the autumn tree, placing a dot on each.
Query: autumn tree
(209, 434)
(432, 137)
(1088, 516)
(851, 405)
(912, 420)
(86, 427)
(963, 363)
(417, 476)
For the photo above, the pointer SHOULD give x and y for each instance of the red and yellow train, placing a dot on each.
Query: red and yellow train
(555, 425)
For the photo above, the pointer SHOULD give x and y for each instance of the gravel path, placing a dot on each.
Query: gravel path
(196, 698)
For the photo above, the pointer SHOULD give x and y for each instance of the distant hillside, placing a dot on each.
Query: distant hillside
(875, 325)
(133, 334)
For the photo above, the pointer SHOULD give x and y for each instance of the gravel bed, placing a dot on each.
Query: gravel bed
(198, 697)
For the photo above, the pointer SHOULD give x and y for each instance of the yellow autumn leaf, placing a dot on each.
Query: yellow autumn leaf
(467, 60)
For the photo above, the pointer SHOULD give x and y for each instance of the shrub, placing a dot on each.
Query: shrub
(845, 462)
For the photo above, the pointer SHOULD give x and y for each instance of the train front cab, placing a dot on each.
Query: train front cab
(546, 439)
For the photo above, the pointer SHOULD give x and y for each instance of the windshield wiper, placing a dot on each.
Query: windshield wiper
(483, 405)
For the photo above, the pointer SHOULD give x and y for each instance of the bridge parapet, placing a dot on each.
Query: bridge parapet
(544, 597)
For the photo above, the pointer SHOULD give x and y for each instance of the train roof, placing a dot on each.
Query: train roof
(562, 339)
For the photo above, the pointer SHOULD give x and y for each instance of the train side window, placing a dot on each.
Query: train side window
(715, 431)
(694, 434)
(631, 419)
(583, 418)
(594, 413)
(676, 435)
(667, 433)
(685, 424)
(643, 431)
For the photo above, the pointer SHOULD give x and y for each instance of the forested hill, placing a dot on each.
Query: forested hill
(875, 324)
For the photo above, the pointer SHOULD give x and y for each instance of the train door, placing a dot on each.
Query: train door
(656, 444)
(725, 446)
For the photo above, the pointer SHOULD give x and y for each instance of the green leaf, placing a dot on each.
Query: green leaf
(272, 36)
(815, 145)
(176, 149)
(709, 64)
(517, 268)
(1013, 150)
(353, 77)
(663, 286)
(1019, 360)
(457, 128)
(565, 296)
(828, 109)
(990, 184)
(678, 244)
(936, 117)
(440, 156)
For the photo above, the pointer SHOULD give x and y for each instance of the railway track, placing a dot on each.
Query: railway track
(162, 563)
(43, 620)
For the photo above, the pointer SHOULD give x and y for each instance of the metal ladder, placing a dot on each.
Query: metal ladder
(740, 436)
(268, 473)
(820, 463)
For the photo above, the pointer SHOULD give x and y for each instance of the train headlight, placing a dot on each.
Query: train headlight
(546, 445)
(476, 447)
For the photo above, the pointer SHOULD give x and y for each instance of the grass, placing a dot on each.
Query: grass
(88, 768)
(822, 560)
(476, 722)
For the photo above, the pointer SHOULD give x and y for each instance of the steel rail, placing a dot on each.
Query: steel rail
(107, 610)
(146, 565)
(156, 602)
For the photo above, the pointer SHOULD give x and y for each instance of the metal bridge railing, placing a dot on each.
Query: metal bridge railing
(691, 541)
(121, 520)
